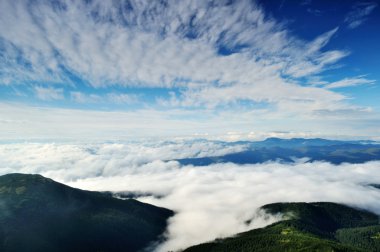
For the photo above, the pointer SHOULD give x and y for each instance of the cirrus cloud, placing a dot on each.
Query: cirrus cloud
(167, 44)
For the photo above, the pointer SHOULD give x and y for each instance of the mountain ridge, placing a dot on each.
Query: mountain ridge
(39, 214)
(319, 226)
(291, 150)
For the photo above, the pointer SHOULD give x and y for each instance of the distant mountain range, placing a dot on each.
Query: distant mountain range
(298, 142)
(39, 214)
(290, 150)
(308, 227)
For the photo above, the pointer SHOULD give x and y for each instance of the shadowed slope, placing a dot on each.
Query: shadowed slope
(39, 214)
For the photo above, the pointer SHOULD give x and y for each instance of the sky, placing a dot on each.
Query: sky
(231, 70)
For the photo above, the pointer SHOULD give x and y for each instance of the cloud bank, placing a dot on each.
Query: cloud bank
(20, 122)
(210, 202)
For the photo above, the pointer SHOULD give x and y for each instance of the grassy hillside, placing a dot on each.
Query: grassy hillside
(309, 227)
(39, 214)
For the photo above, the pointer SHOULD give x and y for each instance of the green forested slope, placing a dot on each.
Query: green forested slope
(39, 214)
(310, 227)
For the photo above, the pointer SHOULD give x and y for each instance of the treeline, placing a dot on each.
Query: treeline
(309, 227)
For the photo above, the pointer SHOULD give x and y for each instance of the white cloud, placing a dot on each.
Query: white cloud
(106, 43)
(121, 98)
(49, 93)
(116, 98)
(311, 60)
(359, 14)
(349, 82)
(80, 97)
(256, 136)
(274, 90)
(201, 196)
(72, 124)
(80, 158)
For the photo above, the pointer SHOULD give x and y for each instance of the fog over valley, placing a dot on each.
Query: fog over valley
(209, 201)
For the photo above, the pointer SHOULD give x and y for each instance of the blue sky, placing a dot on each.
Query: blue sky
(217, 69)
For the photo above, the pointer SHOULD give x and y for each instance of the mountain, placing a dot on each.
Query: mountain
(296, 142)
(318, 226)
(39, 214)
(288, 150)
(299, 142)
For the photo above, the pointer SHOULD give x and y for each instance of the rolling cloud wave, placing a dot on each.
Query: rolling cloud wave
(210, 202)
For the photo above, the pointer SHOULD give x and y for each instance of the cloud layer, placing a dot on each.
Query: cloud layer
(210, 202)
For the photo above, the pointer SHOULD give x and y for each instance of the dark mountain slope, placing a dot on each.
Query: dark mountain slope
(39, 214)
(310, 227)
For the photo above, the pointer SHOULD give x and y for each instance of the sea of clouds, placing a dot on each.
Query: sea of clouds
(211, 201)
